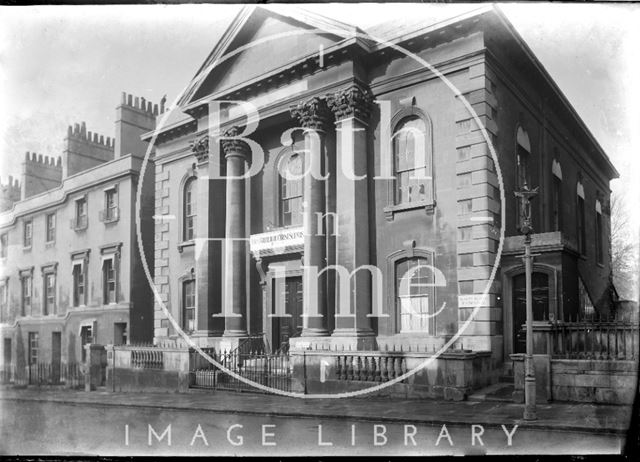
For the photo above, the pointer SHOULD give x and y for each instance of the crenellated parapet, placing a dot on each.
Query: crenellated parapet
(39, 174)
(135, 116)
(85, 149)
(79, 132)
(9, 193)
(141, 104)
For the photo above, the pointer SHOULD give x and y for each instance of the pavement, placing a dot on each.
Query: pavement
(588, 418)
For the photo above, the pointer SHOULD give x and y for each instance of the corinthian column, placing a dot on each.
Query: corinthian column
(206, 253)
(236, 154)
(352, 108)
(314, 116)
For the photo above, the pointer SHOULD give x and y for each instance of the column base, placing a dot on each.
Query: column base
(310, 343)
(314, 332)
(354, 340)
(235, 333)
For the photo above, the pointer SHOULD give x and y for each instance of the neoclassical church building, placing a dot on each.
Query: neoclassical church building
(370, 151)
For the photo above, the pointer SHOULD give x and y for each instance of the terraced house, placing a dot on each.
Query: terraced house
(71, 270)
(426, 199)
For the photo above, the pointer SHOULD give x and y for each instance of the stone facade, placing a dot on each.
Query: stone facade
(342, 111)
(79, 214)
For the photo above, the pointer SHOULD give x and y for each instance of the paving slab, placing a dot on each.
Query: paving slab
(589, 418)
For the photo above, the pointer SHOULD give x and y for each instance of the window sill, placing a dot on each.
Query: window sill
(26, 248)
(49, 244)
(185, 244)
(391, 210)
(78, 230)
(110, 221)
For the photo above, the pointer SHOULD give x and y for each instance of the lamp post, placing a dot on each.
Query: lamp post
(525, 195)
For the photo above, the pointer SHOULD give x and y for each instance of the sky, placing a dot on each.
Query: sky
(61, 65)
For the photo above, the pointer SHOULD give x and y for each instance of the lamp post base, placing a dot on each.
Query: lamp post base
(529, 389)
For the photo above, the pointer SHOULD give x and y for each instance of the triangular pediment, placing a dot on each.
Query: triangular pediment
(259, 41)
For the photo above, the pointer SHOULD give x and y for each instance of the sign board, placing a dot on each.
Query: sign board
(277, 242)
(473, 300)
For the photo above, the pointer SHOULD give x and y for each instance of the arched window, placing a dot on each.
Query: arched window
(412, 165)
(581, 219)
(556, 196)
(189, 210)
(290, 186)
(599, 235)
(415, 294)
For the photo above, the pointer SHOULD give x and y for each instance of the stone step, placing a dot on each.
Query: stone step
(505, 379)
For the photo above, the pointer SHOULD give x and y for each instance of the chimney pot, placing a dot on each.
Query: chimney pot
(129, 100)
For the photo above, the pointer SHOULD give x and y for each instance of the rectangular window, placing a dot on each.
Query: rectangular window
(120, 333)
(582, 239)
(78, 285)
(27, 233)
(415, 294)
(26, 295)
(109, 281)
(4, 245)
(81, 214)
(49, 294)
(51, 227)
(599, 252)
(557, 203)
(111, 205)
(34, 339)
(4, 312)
(189, 305)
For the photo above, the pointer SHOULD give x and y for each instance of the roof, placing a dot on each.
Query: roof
(396, 30)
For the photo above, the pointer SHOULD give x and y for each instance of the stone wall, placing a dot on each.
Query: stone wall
(450, 376)
(594, 381)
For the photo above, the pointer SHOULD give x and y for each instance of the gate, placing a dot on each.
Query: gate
(249, 361)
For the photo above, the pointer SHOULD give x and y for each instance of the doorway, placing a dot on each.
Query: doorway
(540, 299)
(56, 356)
(289, 293)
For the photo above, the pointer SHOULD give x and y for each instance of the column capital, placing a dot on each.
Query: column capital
(235, 147)
(353, 101)
(313, 113)
(200, 148)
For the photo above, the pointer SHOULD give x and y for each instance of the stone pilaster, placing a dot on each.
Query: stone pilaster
(236, 154)
(478, 227)
(315, 116)
(161, 249)
(352, 109)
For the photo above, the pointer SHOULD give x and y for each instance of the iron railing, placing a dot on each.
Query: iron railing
(595, 338)
(71, 375)
(255, 365)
